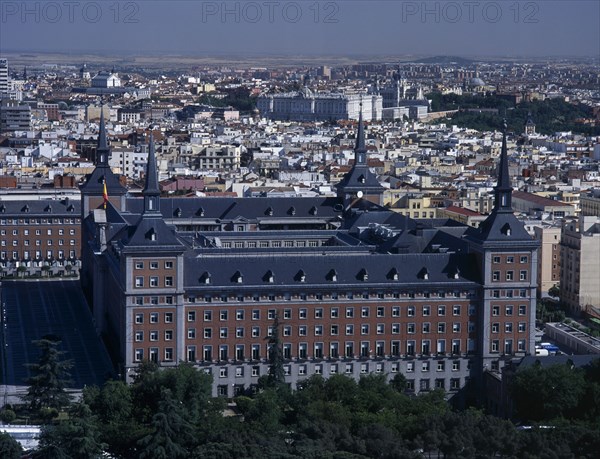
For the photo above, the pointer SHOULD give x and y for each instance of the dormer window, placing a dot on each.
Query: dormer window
(506, 230)
(301, 276)
(178, 212)
(423, 274)
(269, 277)
(292, 211)
(363, 275)
(205, 278)
(237, 277)
(269, 211)
(48, 208)
(393, 274)
(200, 212)
(332, 276)
(25, 208)
(362, 179)
(151, 234)
(313, 210)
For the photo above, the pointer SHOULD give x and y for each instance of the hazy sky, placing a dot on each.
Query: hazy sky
(308, 27)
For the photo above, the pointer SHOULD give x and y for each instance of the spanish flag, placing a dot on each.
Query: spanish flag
(104, 194)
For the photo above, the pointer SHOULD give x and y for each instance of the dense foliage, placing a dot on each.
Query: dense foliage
(551, 115)
(170, 414)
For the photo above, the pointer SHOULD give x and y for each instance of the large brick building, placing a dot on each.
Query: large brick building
(354, 287)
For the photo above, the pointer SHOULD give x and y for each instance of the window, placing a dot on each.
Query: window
(349, 313)
(425, 366)
(496, 259)
(495, 327)
(364, 311)
(139, 355)
(302, 313)
(239, 332)
(508, 327)
(255, 332)
(139, 318)
(168, 265)
(410, 328)
(207, 315)
(441, 366)
(364, 329)
(139, 265)
(495, 310)
(456, 365)
(456, 310)
(139, 281)
(191, 333)
(395, 329)
(495, 345)
(380, 329)
(522, 309)
(509, 275)
(191, 316)
(271, 314)
(410, 367)
(154, 317)
(426, 311)
(426, 327)
(168, 354)
(154, 265)
(154, 335)
(509, 310)
(223, 314)
(287, 313)
(396, 310)
(441, 327)
(380, 311)
(510, 259)
(522, 327)
(334, 330)
(255, 314)
(153, 281)
(139, 336)
(496, 276)
(302, 330)
(523, 275)
(223, 332)
(349, 329)
(239, 314)
(318, 313)
(168, 281)
(168, 335)
(441, 310)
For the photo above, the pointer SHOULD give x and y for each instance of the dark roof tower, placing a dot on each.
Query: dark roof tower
(360, 181)
(102, 174)
(151, 190)
(503, 189)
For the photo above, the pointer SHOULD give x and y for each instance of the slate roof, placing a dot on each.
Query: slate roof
(385, 270)
(43, 208)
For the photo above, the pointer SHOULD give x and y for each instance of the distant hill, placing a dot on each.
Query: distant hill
(445, 60)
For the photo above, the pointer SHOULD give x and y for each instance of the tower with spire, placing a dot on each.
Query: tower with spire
(529, 125)
(360, 182)
(507, 258)
(92, 191)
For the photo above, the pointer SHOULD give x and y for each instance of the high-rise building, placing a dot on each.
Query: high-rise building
(3, 77)
(348, 286)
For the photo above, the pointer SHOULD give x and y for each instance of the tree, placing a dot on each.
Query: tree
(171, 431)
(78, 437)
(9, 447)
(276, 377)
(50, 377)
(554, 291)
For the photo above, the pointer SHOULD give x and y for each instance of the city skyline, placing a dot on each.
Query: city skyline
(319, 28)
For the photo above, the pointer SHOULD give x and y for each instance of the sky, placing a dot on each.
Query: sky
(469, 28)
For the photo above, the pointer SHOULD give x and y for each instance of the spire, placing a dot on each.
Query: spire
(151, 191)
(102, 149)
(360, 150)
(503, 190)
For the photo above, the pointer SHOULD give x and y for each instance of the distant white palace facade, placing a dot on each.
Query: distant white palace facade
(307, 105)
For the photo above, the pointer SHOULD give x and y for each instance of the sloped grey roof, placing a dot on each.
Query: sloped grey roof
(350, 269)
